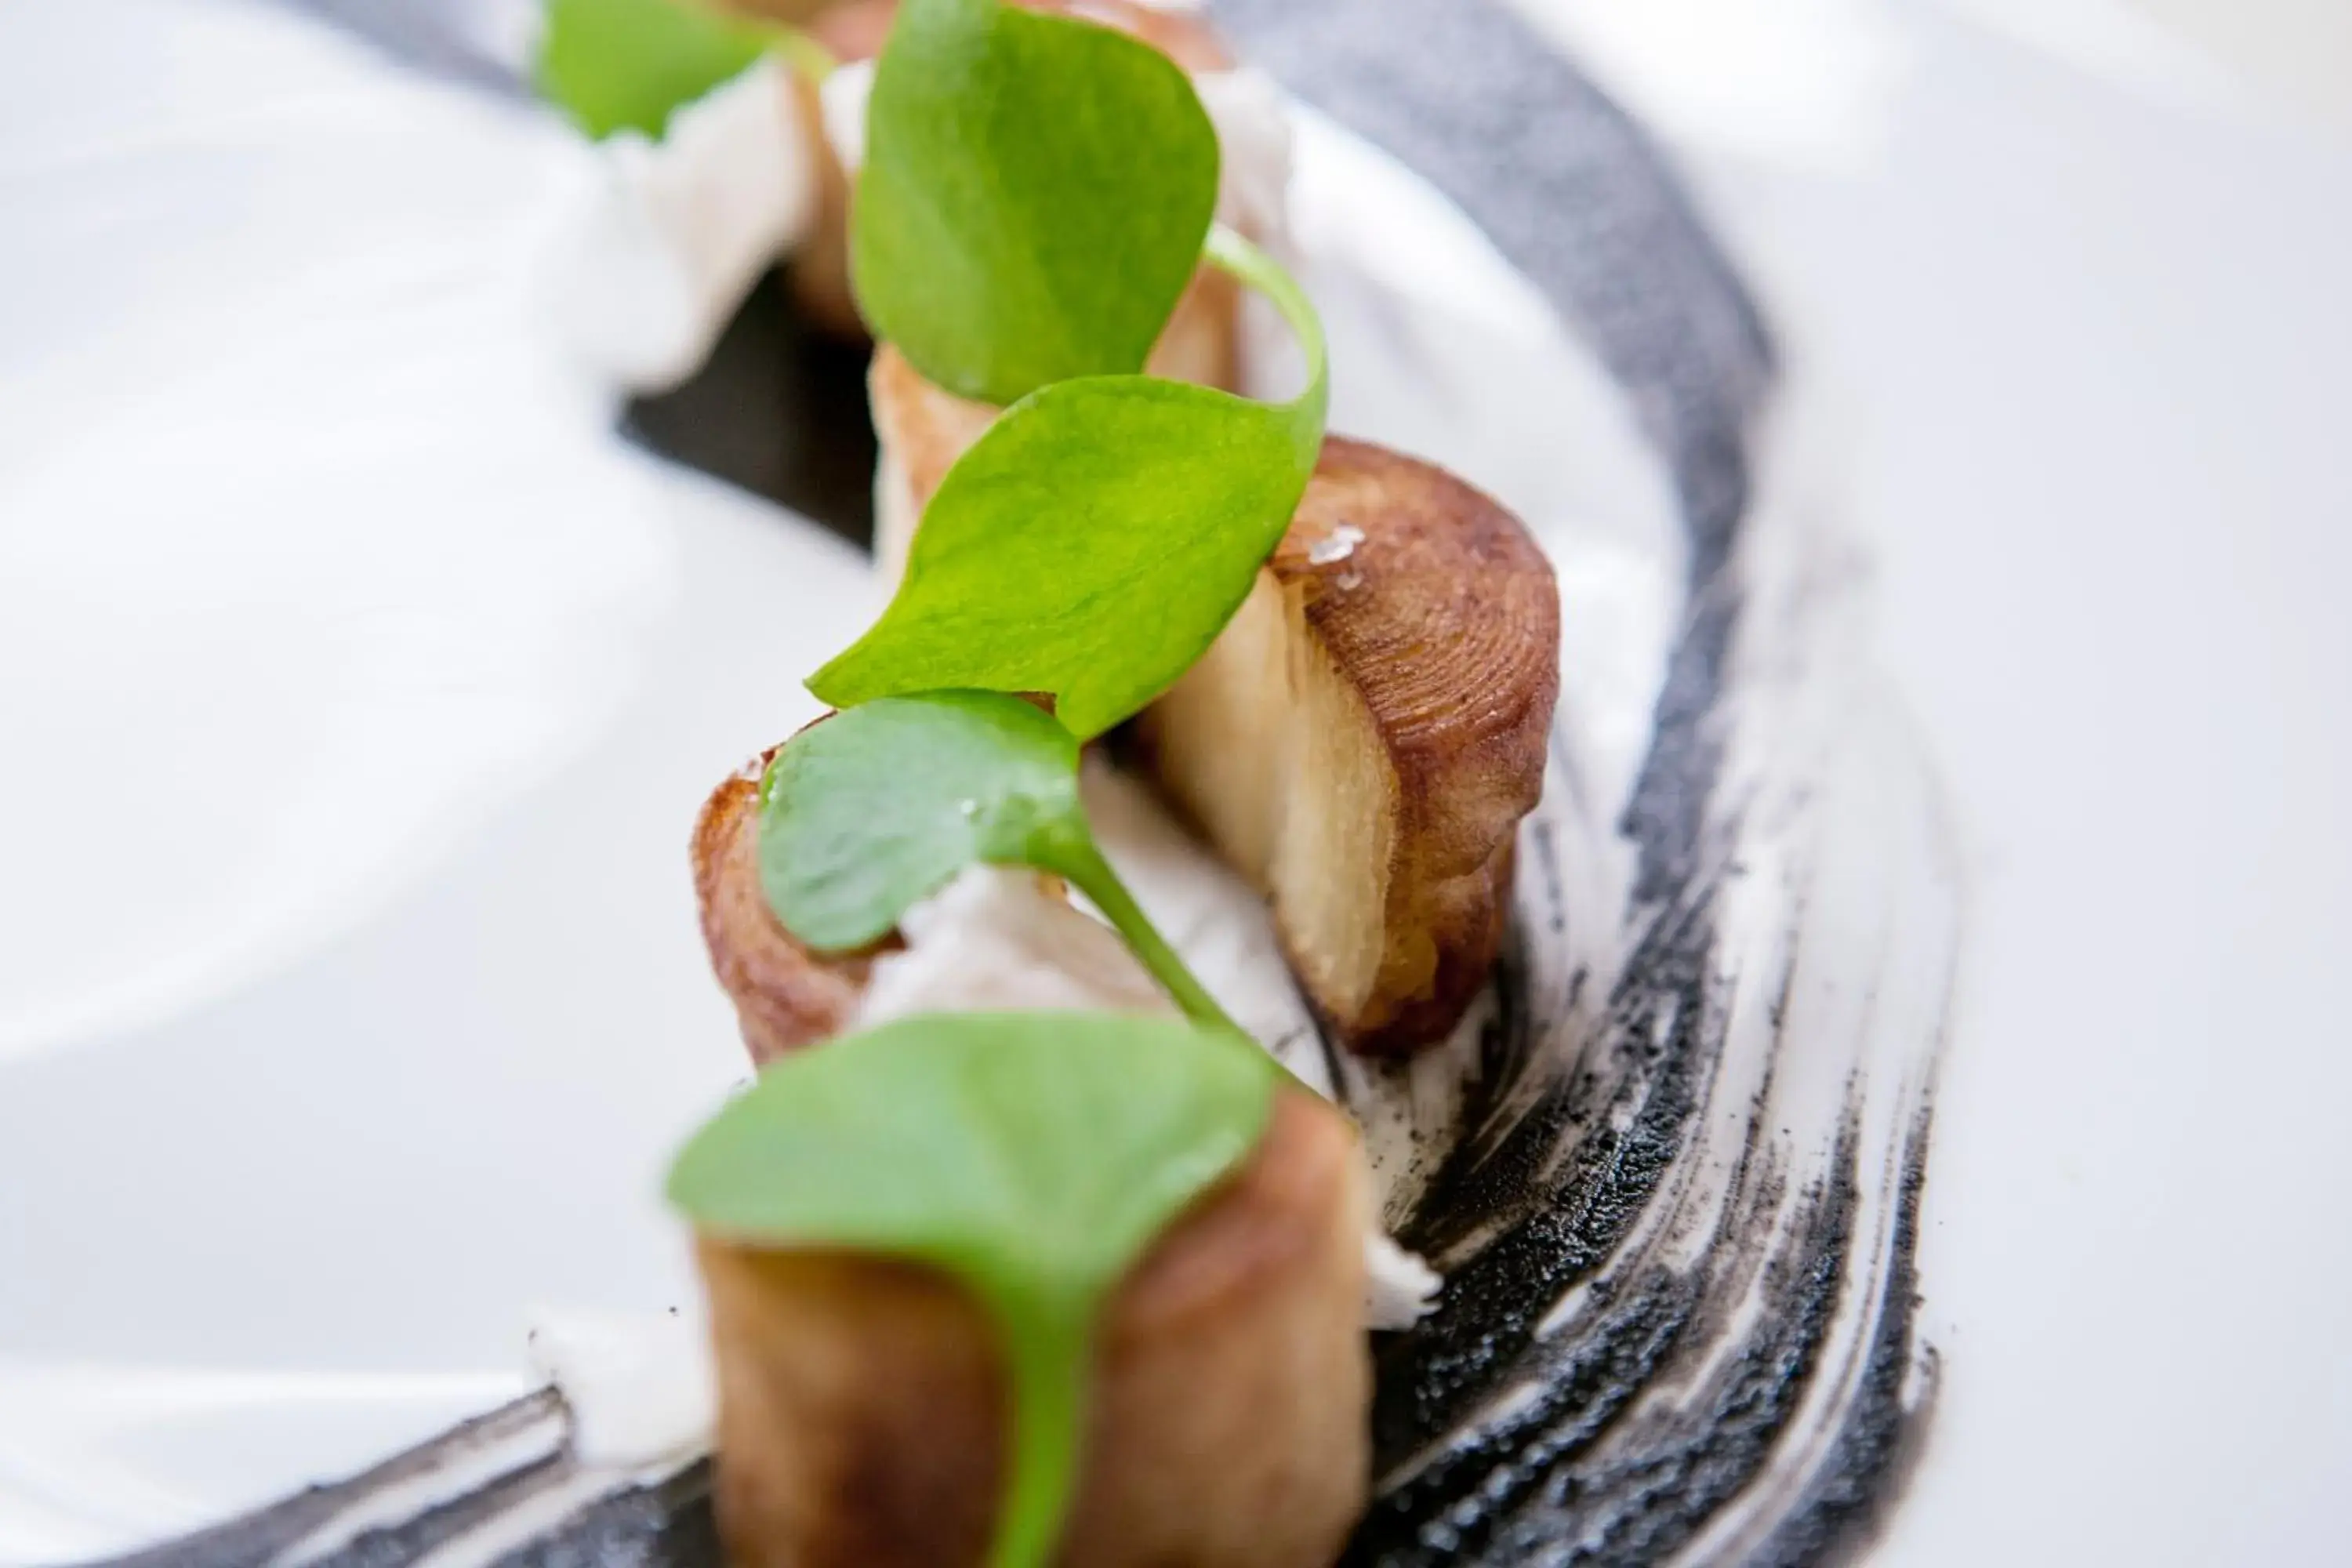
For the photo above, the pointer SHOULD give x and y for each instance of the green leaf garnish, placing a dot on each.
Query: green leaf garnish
(1094, 542)
(1033, 1156)
(624, 65)
(879, 806)
(1032, 198)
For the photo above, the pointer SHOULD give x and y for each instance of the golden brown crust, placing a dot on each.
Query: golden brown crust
(1452, 637)
(1368, 734)
(785, 996)
(863, 1404)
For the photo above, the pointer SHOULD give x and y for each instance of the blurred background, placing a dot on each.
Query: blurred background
(1808, 79)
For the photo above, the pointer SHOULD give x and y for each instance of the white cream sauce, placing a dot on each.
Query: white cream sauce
(652, 257)
(638, 1384)
(999, 937)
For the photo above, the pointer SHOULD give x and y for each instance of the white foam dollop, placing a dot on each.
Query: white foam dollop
(842, 102)
(1399, 1287)
(638, 1384)
(1253, 122)
(659, 246)
(996, 938)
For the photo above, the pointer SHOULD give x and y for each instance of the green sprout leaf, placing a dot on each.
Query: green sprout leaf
(1033, 1156)
(1033, 200)
(1094, 542)
(877, 808)
(624, 65)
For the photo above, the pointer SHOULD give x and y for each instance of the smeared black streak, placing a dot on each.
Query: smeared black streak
(1881, 1438)
(669, 1525)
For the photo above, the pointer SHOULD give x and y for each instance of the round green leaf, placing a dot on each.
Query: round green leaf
(1032, 199)
(1032, 1155)
(877, 807)
(624, 64)
(1091, 544)
(1035, 1153)
(1095, 538)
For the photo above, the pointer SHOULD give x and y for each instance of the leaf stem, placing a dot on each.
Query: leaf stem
(1049, 1352)
(1084, 864)
(808, 58)
(1238, 257)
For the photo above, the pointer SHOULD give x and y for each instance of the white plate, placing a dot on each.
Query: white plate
(310, 1087)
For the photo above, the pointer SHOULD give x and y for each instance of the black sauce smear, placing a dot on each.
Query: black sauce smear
(1880, 1440)
(669, 1525)
(1541, 1479)
(1559, 1231)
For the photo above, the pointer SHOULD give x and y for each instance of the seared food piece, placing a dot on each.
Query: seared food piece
(920, 431)
(785, 996)
(864, 1403)
(1363, 739)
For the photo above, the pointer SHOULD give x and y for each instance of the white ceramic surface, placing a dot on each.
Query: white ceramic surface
(2094, 350)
